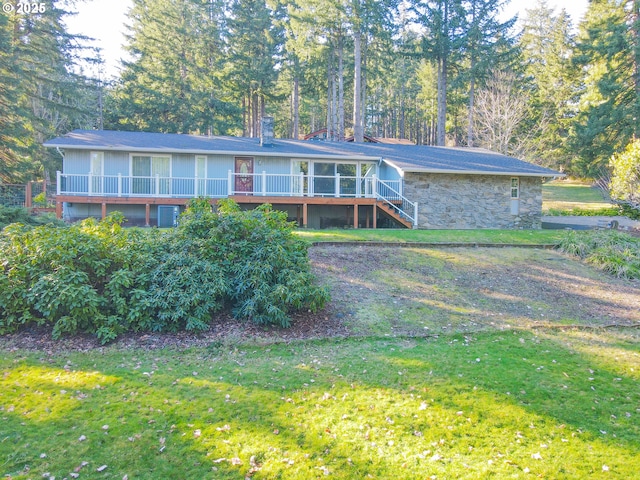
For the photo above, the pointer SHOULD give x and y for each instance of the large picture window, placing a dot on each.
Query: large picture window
(153, 174)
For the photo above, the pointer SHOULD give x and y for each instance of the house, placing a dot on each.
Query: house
(151, 176)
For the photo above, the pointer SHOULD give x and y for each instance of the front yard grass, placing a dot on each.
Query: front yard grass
(574, 197)
(499, 404)
(489, 236)
(483, 363)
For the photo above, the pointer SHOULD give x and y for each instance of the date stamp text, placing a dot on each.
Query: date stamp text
(24, 8)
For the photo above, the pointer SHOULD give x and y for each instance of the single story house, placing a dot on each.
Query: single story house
(151, 176)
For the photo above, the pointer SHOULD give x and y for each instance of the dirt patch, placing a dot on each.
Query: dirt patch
(412, 291)
(390, 291)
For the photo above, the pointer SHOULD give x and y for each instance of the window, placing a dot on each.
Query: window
(96, 168)
(97, 163)
(154, 173)
(201, 175)
(515, 188)
(300, 185)
(324, 178)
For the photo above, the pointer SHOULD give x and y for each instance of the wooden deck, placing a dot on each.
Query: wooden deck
(302, 203)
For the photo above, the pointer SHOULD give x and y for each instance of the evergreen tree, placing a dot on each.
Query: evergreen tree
(607, 109)
(547, 46)
(173, 83)
(41, 96)
(444, 22)
(255, 41)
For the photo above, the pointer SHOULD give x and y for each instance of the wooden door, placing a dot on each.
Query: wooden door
(244, 176)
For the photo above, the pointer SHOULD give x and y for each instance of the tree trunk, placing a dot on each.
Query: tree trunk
(296, 108)
(442, 102)
(340, 88)
(636, 58)
(358, 131)
(472, 92)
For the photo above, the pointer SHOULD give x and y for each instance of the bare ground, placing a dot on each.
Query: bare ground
(391, 291)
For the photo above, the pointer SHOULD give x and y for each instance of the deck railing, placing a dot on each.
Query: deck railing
(256, 184)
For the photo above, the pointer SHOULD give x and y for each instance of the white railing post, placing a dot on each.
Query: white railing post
(195, 187)
(415, 215)
(374, 185)
(230, 184)
(301, 184)
(337, 184)
(264, 183)
(157, 184)
(58, 181)
(119, 184)
(90, 186)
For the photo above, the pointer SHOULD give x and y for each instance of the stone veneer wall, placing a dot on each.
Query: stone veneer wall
(473, 201)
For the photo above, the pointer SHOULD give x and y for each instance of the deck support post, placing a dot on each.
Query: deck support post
(355, 215)
(375, 216)
(58, 210)
(305, 216)
(104, 210)
(147, 215)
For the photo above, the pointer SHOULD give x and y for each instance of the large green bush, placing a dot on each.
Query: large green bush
(100, 278)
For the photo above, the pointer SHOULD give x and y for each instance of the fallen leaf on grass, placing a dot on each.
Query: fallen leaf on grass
(101, 469)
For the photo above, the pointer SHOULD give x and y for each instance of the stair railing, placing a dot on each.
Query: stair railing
(404, 207)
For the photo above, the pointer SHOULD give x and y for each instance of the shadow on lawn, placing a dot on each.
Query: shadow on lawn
(471, 406)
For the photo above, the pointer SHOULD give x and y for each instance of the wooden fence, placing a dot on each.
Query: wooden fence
(22, 195)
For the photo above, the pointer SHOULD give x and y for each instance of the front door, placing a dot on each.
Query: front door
(244, 175)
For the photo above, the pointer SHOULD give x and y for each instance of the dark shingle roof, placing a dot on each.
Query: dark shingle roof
(409, 158)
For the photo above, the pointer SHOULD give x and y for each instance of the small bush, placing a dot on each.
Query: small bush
(100, 278)
(9, 215)
(614, 252)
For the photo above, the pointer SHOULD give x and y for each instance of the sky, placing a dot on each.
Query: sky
(105, 21)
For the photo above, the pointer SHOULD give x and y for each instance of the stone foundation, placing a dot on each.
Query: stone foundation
(474, 201)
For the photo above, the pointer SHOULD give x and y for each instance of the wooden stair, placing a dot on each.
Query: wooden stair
(394, 214)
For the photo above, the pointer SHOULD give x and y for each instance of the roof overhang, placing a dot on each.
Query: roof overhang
(483, 172)
(250, 153)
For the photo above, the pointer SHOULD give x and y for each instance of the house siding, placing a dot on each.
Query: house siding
(115, 163)
(183, 166)
(76, 162)
(474, 201)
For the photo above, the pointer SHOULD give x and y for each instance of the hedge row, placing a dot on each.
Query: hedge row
(100, 278)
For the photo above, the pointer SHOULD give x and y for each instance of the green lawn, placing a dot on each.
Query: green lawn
(525, 237)
(569, 195)
(507, 404)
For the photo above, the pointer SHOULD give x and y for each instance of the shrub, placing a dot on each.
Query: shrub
(77, 278)
(614, 252)
(100, 278)
(266, 265)
(9, 215)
